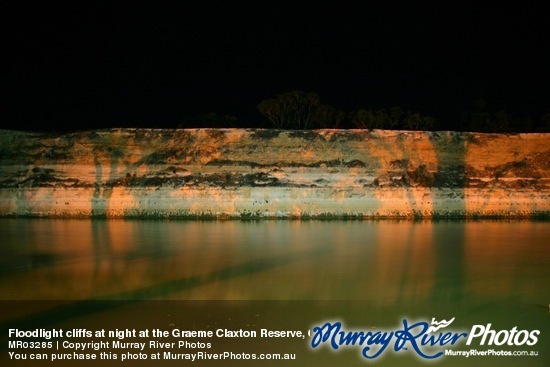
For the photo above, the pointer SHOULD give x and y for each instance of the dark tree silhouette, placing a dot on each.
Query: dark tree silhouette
(299, 110)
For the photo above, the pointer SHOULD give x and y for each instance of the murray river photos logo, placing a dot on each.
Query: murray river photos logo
(427, 340)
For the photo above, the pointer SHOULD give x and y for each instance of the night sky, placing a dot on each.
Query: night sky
(98, 64)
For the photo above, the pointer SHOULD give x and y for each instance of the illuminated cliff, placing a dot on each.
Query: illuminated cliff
(239, 173)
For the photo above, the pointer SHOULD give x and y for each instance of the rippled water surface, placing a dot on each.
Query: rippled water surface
(387, 262)
(477, 271)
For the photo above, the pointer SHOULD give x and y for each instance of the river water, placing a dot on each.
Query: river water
(365, 273)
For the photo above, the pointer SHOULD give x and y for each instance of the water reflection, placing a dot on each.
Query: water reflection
(387, 263)
(514, 263)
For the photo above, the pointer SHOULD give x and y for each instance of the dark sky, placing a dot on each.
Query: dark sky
(149, 64)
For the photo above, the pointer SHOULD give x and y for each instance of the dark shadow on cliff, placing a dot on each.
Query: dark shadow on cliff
(449, 263)
(103, 190)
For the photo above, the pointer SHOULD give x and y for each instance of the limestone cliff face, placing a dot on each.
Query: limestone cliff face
(250, 173)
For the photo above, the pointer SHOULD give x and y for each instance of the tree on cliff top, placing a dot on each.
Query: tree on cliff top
(299, 110)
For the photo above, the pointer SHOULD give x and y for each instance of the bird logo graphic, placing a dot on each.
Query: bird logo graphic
(439, 325)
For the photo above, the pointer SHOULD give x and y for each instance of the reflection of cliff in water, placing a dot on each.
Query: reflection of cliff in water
(388, 263)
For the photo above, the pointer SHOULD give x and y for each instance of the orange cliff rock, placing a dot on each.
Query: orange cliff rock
(256, 173)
